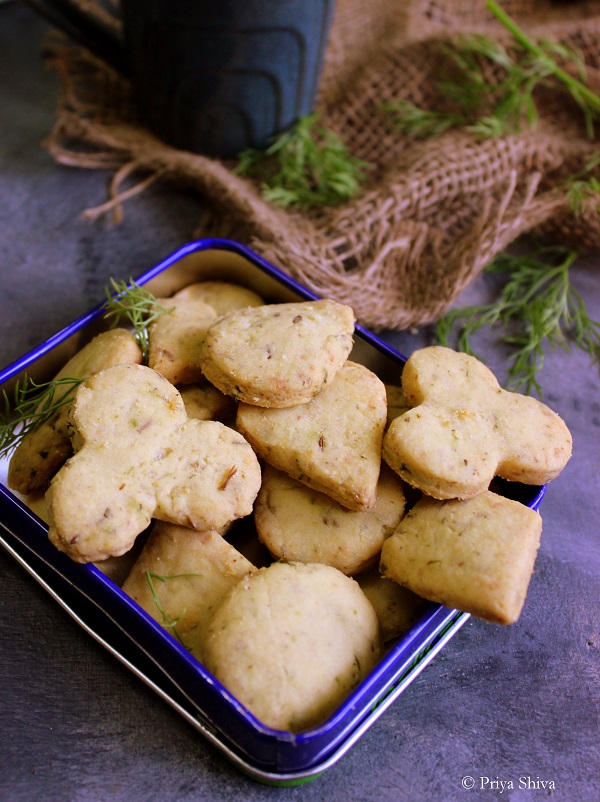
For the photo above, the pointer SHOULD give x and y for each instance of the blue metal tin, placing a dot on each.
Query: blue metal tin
(99, 605)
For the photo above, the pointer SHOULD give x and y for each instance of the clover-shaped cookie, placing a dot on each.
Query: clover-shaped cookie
(42, 451)
(138, 456)
(464, 429)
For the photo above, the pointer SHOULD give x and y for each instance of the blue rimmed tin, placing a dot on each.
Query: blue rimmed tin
(116, 621)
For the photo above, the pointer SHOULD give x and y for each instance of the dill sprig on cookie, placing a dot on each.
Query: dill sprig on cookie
(168, 621)
(537, 307)
(136, 305)
(32, 405)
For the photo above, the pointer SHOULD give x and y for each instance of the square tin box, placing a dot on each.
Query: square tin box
(97, 603)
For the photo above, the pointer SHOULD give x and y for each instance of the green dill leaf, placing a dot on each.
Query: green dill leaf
(583, 188)
(542, 55)
(486, 109)
(305, 167)
(167, 620)
(137, 306)
(487, 127)
(566, 53)
(419, 123)
(279, 195)
(466, 46)
(32, 405)
(584, 194)
(537, 308)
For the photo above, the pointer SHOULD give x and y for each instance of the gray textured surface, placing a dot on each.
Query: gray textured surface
(502, 703)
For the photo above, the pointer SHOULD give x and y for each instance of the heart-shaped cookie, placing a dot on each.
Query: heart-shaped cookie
(278, 355)
(332, 443)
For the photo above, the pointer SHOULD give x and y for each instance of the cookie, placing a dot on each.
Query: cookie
(464, 429)
(222, 296)
(396, 403)
(298, 524)
(475, 555)
(180, 578)
(138, 456)
(175, 339)
(291, 641)
(41, 453)
(331, 444)
(398, 608)
(278, 355)
(205, 402)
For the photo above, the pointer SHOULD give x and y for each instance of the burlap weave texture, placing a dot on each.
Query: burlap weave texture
(432, 213)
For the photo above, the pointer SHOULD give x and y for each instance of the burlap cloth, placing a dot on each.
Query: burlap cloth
(432, 214)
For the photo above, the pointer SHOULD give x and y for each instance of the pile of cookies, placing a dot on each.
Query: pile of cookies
(248, 411)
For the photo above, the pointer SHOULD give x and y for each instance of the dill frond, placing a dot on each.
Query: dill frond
(537, 308)
(419, 123)
(31, 406)
(486, 110)
(137, 306)
(306, 167)
(168, 621)
(583, 189)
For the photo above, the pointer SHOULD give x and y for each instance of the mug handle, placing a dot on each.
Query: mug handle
(102, 40)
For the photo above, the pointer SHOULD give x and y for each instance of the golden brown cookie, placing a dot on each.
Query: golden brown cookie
(332, 443)
(180, 578)
(42, 452)
(175, 339)
(291, 641)
(223, 296)
(278, 355)
(298, 524)
(397, 607)
(463, 429)
(475, 555)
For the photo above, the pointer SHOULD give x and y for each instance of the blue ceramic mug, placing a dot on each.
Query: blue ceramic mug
(211, 76)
